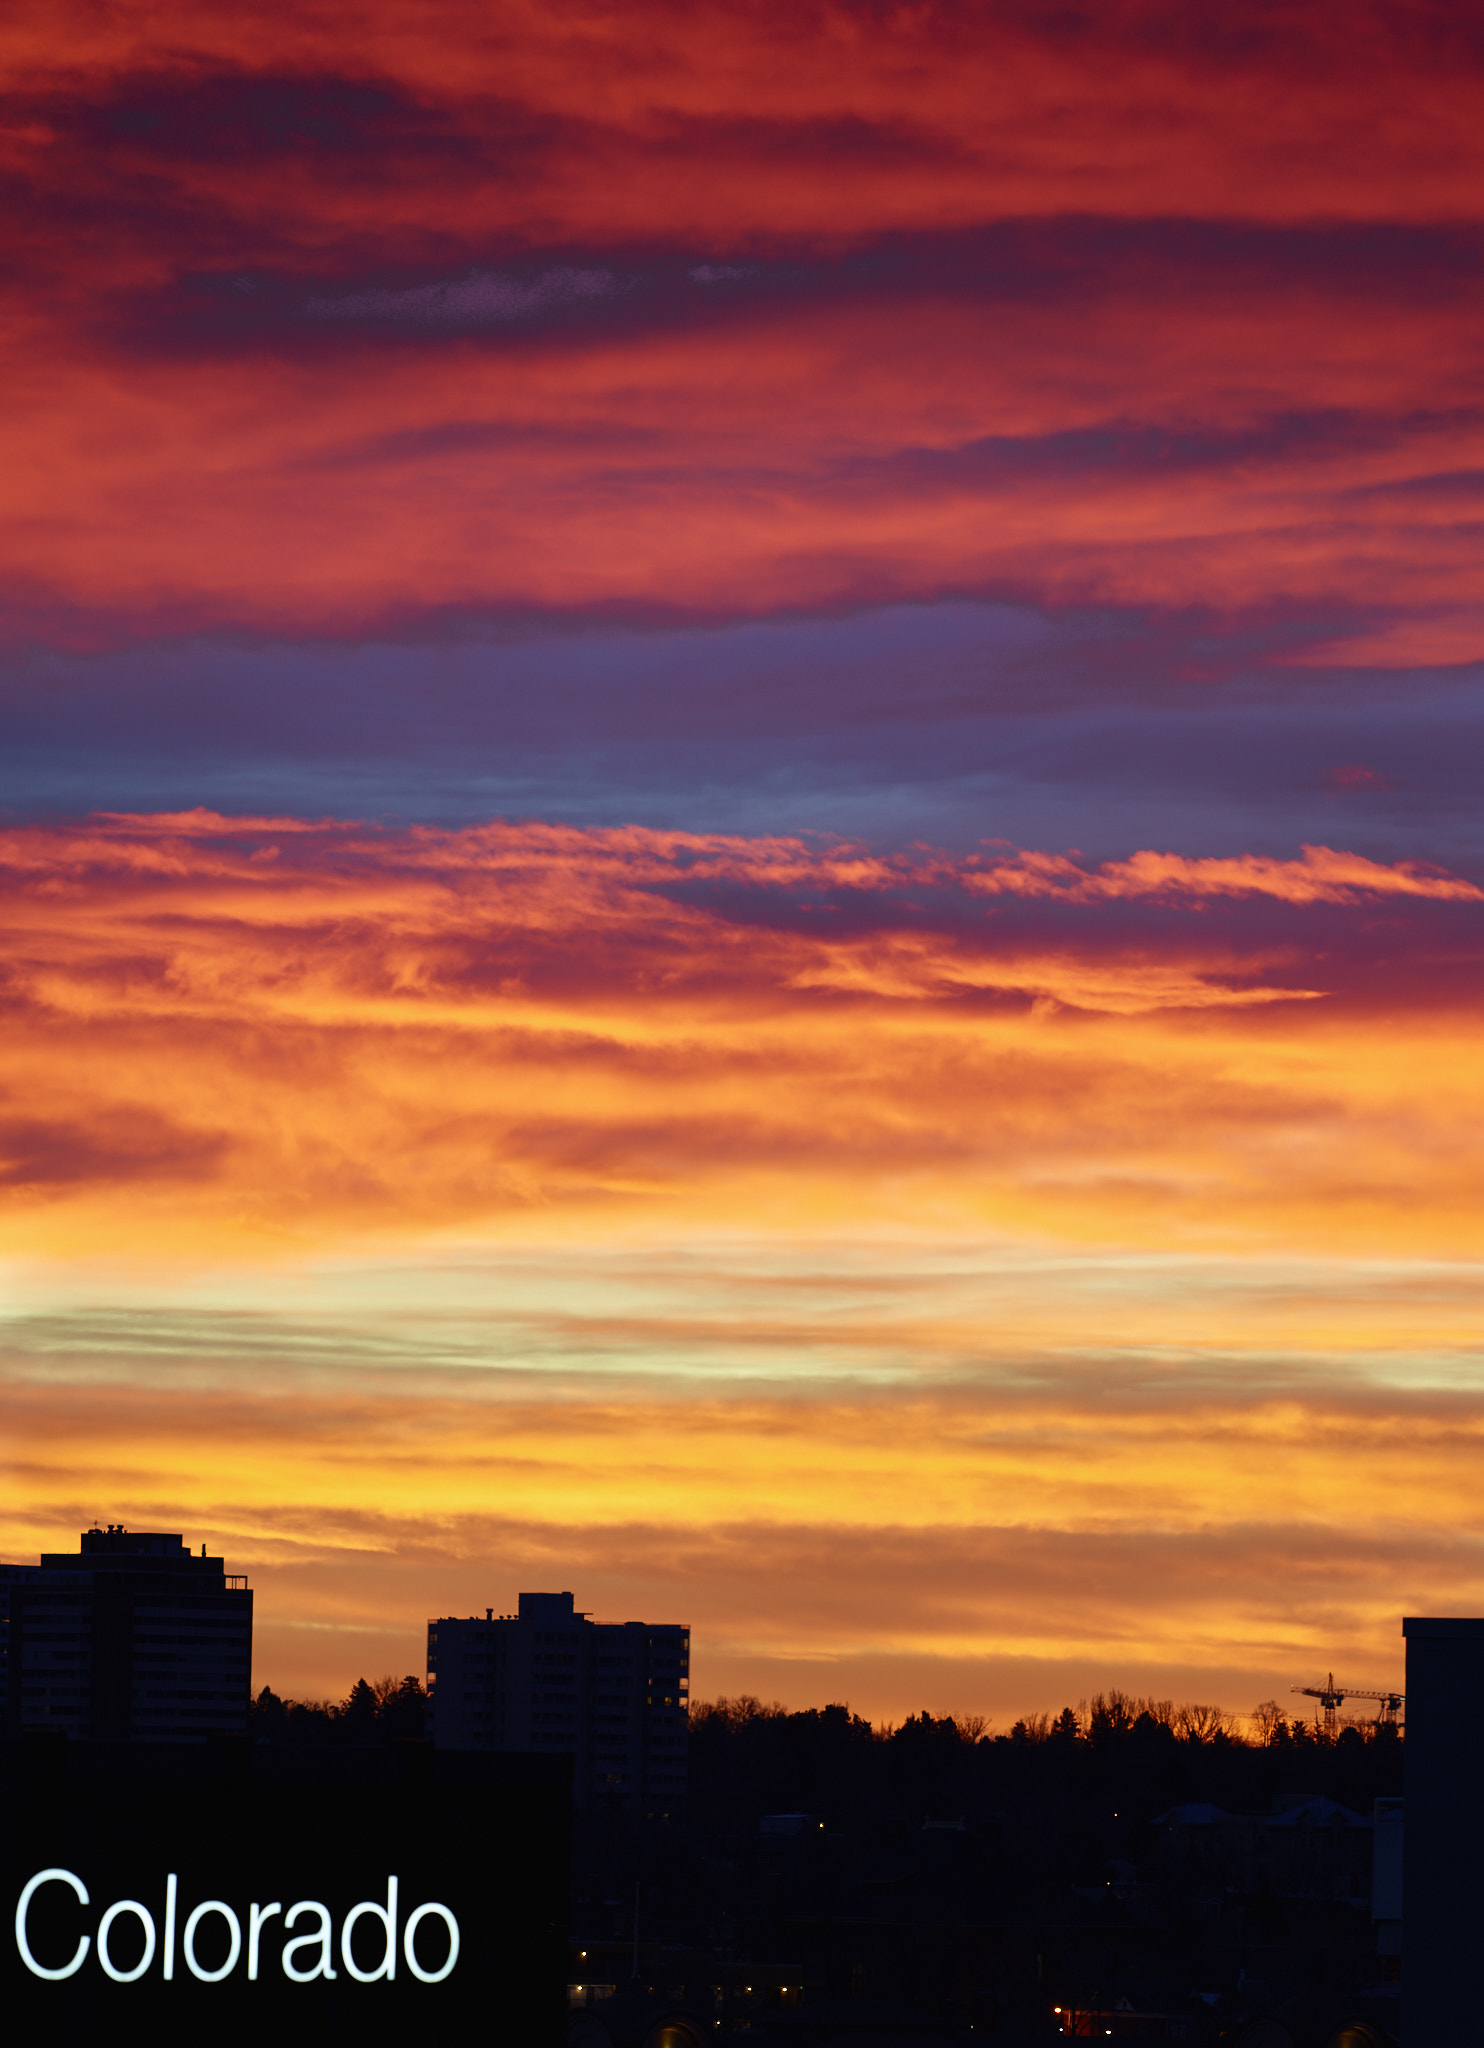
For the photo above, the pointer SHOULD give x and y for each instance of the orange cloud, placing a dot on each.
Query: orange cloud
(230, 1038)
(994, 1544)
(962, 1279)
(1320, 876)
(742, 1230)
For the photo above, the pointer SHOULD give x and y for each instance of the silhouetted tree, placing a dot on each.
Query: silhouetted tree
(267, 1717)
(1269, 1723)
(356, 1718)
(401, 1708)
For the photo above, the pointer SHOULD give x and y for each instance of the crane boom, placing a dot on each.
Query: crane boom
(1332, 1697)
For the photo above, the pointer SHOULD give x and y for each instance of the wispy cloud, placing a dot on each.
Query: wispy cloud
(388, 1200)
(322, 1030)
(1110, 357)
(932, 1528)
(485, 298)
(1320, 875)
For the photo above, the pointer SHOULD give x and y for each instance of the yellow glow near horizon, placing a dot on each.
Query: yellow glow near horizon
(380, 1204)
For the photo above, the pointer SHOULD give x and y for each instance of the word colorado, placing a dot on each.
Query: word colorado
(306, 1957)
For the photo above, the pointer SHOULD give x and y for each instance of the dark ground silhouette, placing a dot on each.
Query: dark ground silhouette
(1129, 1858)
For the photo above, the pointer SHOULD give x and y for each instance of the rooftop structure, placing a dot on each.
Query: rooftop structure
(129, 1637)
(612, 1695)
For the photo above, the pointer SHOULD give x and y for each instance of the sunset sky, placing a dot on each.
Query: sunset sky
(739, 819)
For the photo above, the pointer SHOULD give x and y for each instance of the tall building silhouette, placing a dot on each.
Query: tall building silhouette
(1442, 1889)
(613, 1695)
(131, 1637)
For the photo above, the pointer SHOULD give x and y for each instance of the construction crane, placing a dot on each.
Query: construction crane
(1332, 1697)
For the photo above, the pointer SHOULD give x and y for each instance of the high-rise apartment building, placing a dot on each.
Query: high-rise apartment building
(614, 1695)
(131, 1637)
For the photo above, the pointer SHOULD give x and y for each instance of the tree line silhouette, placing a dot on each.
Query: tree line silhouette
(816, 1754)
(1070, 1794)
(378, 1710)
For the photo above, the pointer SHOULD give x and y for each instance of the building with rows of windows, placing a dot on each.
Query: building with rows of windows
(129, 1638)
(613, 1695)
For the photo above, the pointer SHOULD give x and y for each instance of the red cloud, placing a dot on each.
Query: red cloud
(763, 120)
(1265, 419)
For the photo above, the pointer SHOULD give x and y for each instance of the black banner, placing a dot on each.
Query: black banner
(229, 1887)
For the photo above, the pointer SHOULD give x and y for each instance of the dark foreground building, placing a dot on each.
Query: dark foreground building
(238, 1892)
(1443, 1900)
(612, 1696)
(129, 1638)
